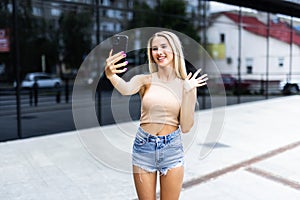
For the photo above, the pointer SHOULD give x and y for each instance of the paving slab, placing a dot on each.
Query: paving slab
(240, 185)
(256, 137)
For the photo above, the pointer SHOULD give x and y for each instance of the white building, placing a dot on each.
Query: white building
(281, 59)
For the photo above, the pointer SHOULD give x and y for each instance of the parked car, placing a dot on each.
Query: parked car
(231, 84)
(289, 87)
(40, 80)
(226, 81)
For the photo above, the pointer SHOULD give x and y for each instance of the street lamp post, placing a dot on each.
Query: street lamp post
(97, 42)
(239, 56)
(16, 55)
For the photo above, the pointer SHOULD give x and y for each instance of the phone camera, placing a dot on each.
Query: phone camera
(116, 40)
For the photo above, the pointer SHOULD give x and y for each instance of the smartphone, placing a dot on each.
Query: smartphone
(119, 43)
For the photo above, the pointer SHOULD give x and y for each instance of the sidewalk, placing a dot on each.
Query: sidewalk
(256, 158)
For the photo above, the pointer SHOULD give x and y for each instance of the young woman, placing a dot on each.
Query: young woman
(168, 98)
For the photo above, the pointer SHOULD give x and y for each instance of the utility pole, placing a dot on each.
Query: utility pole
(159, 13)
(291, 49)
(202, 9)
(239, 56)
(268, 55)
(16, 58)
(97, 43)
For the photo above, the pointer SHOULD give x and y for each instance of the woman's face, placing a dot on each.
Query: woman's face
(162, 52)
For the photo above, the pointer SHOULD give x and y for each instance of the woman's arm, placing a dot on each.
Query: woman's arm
(112, 68)
(187, 109)
(189, 98)
(131, 87)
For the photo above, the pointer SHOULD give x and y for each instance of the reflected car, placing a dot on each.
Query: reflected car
(289, 87)
(40, 80)
(232, 84)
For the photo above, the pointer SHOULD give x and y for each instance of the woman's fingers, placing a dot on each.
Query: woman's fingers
(123, 64)
(112, 59)
(118, 71)
(192, 82)
(196, 73)
(111, 66)
(115, 68)
(188, 76)
(202, 78)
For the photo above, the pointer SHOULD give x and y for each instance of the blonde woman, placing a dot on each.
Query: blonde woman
(168, 98)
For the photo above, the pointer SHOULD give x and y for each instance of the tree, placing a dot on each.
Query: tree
(167, 14)
(37, 37)
(174, 16)
(5, 15)
(75, 35)
(142, 15)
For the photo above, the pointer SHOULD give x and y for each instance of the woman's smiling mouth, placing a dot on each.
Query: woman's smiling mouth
(161, 58)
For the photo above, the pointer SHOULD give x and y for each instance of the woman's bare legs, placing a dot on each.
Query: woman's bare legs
(145, 183)
(170, 184)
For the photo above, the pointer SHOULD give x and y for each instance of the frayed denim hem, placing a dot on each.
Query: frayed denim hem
(144, 168)
(163, 172)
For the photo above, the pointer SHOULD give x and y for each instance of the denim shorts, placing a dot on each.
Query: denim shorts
(157, 153)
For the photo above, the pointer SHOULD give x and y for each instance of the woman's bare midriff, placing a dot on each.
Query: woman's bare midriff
(158, 129)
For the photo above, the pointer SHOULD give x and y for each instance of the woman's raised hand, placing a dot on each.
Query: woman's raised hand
(192, 82)
(112, 67)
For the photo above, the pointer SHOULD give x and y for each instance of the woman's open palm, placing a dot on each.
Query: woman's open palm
(191, 81)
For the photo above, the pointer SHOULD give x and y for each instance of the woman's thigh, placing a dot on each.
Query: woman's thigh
(145, 183)
(171, 184)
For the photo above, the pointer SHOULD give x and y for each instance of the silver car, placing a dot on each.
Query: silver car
(290, 87)
(41, 80)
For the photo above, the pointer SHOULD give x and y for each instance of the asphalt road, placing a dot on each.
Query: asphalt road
(51, 118)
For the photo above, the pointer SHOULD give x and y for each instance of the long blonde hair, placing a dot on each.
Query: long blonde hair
(179, 63)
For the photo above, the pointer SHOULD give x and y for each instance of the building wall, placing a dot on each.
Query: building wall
(112, 20)
(253, 52)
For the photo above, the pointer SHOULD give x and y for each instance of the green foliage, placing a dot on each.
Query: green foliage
(174, 16)
(169, 14)
(71, 35)
(37, 37)
(142, 16)
(4, 14)
(40, 36)
(75, 33)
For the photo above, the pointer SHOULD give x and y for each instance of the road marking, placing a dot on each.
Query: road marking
(273, 177)
(216, 174)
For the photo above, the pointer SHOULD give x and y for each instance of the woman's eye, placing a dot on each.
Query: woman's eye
(164, 46)
(154, 49)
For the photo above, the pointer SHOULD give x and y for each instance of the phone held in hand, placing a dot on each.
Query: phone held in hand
(119, 43)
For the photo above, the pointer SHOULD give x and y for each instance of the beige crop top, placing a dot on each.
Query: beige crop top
(161, 103)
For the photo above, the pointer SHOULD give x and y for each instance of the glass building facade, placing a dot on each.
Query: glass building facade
(256, 47)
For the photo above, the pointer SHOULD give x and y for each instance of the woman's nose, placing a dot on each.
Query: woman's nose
(159, 51)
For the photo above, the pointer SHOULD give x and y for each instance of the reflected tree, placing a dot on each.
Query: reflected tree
(75, 37)
(166, 14)
(37, 38)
